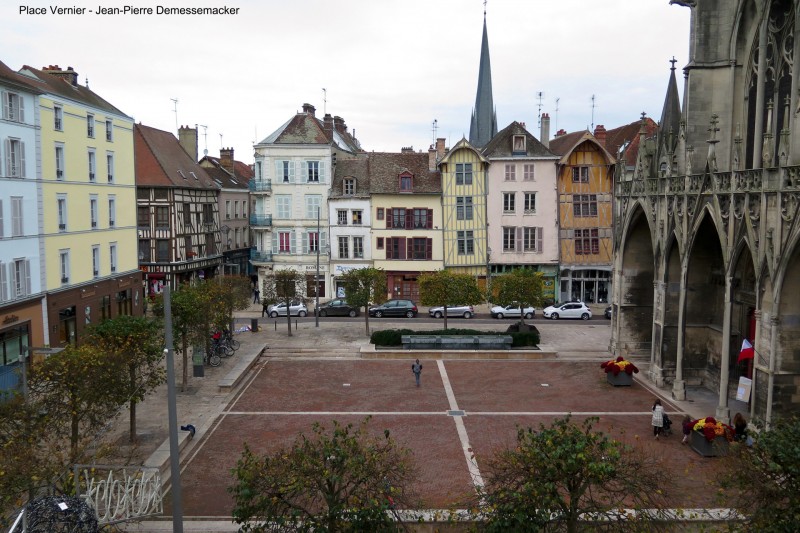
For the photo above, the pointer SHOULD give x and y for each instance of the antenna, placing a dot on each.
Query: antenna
(205, 139)
(593, 106)
(175, 110)
(324, 101)
(220, 141)
(540, 97)
(434, 128)
(557, 101)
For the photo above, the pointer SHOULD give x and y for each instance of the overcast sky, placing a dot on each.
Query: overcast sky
(390, 67)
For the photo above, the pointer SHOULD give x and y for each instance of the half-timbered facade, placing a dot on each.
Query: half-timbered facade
(177, 212)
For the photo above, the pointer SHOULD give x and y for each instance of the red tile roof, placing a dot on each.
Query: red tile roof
(627, 137)
(161, 161)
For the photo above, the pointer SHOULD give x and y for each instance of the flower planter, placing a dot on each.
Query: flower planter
(716, 448)
(623, 379)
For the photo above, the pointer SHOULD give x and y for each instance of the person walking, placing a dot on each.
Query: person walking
(264, 308)
(687, 428)
(658, 418)
(416, 368)
(256, 295)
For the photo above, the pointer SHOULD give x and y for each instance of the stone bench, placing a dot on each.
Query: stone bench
(457, 342)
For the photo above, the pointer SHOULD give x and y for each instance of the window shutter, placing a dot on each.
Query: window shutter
(518, 245)
(3, 283)
(430, 219)
(429, 249)
(305, 242)
(278, 172)
(401, 248)
(409, 219)
(7, 149)
(322, 172)
(389, 218)
(409, 248)
(303, 172)
(6, 109)
(27, 277)
(12, 274)
(21, 101)
(275, 248)
(21, 159)
(1, 219)
(323, 241)
(539, 240)
(293, 242)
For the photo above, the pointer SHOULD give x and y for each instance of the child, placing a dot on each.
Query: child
(658, 418)
(687, 428)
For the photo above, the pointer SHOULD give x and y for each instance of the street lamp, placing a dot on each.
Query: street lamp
(316, 279)
(488, 274)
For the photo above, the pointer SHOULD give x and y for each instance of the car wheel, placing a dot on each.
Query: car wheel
(301, 314)
(437, 314)
(467, 314)
(500, 315)
(378, 314)
(273, 314)
(529, 315)
(352, 313)
(585, 316)
(409, 314)
(554, 316)
(323, 313)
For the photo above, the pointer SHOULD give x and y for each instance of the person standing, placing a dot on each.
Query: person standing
(658, 418)
(256, 295)
(416, 368)
(264, 308)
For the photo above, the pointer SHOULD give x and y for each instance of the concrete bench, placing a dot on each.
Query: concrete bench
(457, 342)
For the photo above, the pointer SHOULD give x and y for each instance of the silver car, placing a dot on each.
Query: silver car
(453, 311)
(568, 310)
(512, 311)
(295, 309)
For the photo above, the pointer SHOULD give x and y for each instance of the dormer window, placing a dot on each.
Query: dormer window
(518, 144)
(349, 186)
(406, 182)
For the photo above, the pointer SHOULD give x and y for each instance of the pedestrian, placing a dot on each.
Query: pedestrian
(264, 307)
(687, 428)
(256, 295)
(740, 427)
(416, 368)
(658, 418)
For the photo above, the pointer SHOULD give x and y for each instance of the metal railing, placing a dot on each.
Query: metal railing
(261, 220)
(260, 186)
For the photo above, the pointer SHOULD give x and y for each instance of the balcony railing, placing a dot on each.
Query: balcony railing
(258, 256)
(261, 220)
(260, 186)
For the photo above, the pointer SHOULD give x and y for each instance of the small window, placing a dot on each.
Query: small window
(527, 173)
(90, 126)
(58, 118)
(406, 183)
(313, 172)
(580, 174)
(13, 107)
(343, 248)
(110, 166)
(463, 173)
(509, 202)
(379, 243)
(162, 217)
(511, 172)
(60, 163)
(530, 202)
(341, 217)
(518, 144)
(379, 213)
(349, 187)
(109, 131)
(356, 217)
(92, 166)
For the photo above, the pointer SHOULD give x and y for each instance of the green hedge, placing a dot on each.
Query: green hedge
(393, 337)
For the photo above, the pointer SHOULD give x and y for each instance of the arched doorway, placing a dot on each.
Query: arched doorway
(634, 311)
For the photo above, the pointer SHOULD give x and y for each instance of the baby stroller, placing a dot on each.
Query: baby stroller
(666, 427)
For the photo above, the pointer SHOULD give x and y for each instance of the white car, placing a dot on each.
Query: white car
(295, 309)
(453, 311)
(568, 310)
(512, 311)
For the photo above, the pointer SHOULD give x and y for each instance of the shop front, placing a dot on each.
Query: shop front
(20, 327)
(403, 285)
(589, 285)
(337, 277)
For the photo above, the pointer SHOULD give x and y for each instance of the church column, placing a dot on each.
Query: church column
(657, 339)
(723, 411)
(774, 321)
(758, 131)
(756, 344)
(679, 385)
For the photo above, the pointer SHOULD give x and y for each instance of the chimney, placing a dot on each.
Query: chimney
(338, 123)
(544, 134)
(187, 137)
(407, 150)
(600, 134)
(431, 158)
(327, 125)
(226, 159)
(440, 151)
(69, 75)
(561, 132)
(309, 109)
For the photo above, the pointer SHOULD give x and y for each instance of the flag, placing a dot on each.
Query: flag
(747, 351)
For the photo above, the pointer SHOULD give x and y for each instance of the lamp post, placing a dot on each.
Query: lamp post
(316, 279)
(488, 274)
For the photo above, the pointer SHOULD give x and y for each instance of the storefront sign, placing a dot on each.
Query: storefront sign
(344, 269)
(10, 318)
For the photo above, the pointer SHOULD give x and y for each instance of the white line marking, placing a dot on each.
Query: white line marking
(444, 413)
(472, 464)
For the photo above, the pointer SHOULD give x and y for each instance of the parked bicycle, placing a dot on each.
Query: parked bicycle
(212, 358)
(223, 343)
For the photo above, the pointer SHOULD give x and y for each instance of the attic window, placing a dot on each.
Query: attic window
(518, 144)
(406, 182)
(218, 182)
(349, 186)
(194, 175)
(182, 174)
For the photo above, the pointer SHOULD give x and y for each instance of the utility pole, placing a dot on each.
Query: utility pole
(172, 410)
(175, 110)
(316, 279)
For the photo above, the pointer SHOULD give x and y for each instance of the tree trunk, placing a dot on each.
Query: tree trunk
(185, 357)
(445, 317)
(289, 318)
(366, 318)
(132, 437)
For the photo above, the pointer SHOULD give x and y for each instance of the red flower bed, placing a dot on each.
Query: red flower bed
(615, 366)
(711, 428)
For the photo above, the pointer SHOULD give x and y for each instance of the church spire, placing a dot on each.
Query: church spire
(483, 125)
(671, 113)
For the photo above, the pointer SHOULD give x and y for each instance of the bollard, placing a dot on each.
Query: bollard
(276, 325)
(253, 325)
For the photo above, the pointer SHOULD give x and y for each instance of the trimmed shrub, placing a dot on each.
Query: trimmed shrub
(393, 337)
(389, 337)
(525, 338)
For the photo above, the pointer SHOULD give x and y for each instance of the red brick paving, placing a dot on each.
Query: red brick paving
(388, 386)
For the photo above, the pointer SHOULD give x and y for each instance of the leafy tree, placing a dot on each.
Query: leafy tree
(233, 295)
(364, 287)
(187, 322)
(344, 479)
(447, 288)
(136, 344)
(563, 471)
(767, 478)
(284, 286)
(522, 286)
(80, 387)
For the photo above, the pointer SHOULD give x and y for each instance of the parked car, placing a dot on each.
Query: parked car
(453, 311)
(295, 309)
(607, 312)
(512, 311)
(337, 307)
(405, 308)
(568, 310)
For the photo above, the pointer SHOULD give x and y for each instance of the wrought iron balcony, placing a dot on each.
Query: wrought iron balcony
(260, 185)
(261, 220)
(259, 256)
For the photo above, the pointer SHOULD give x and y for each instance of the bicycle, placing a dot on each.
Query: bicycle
(212, 358)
